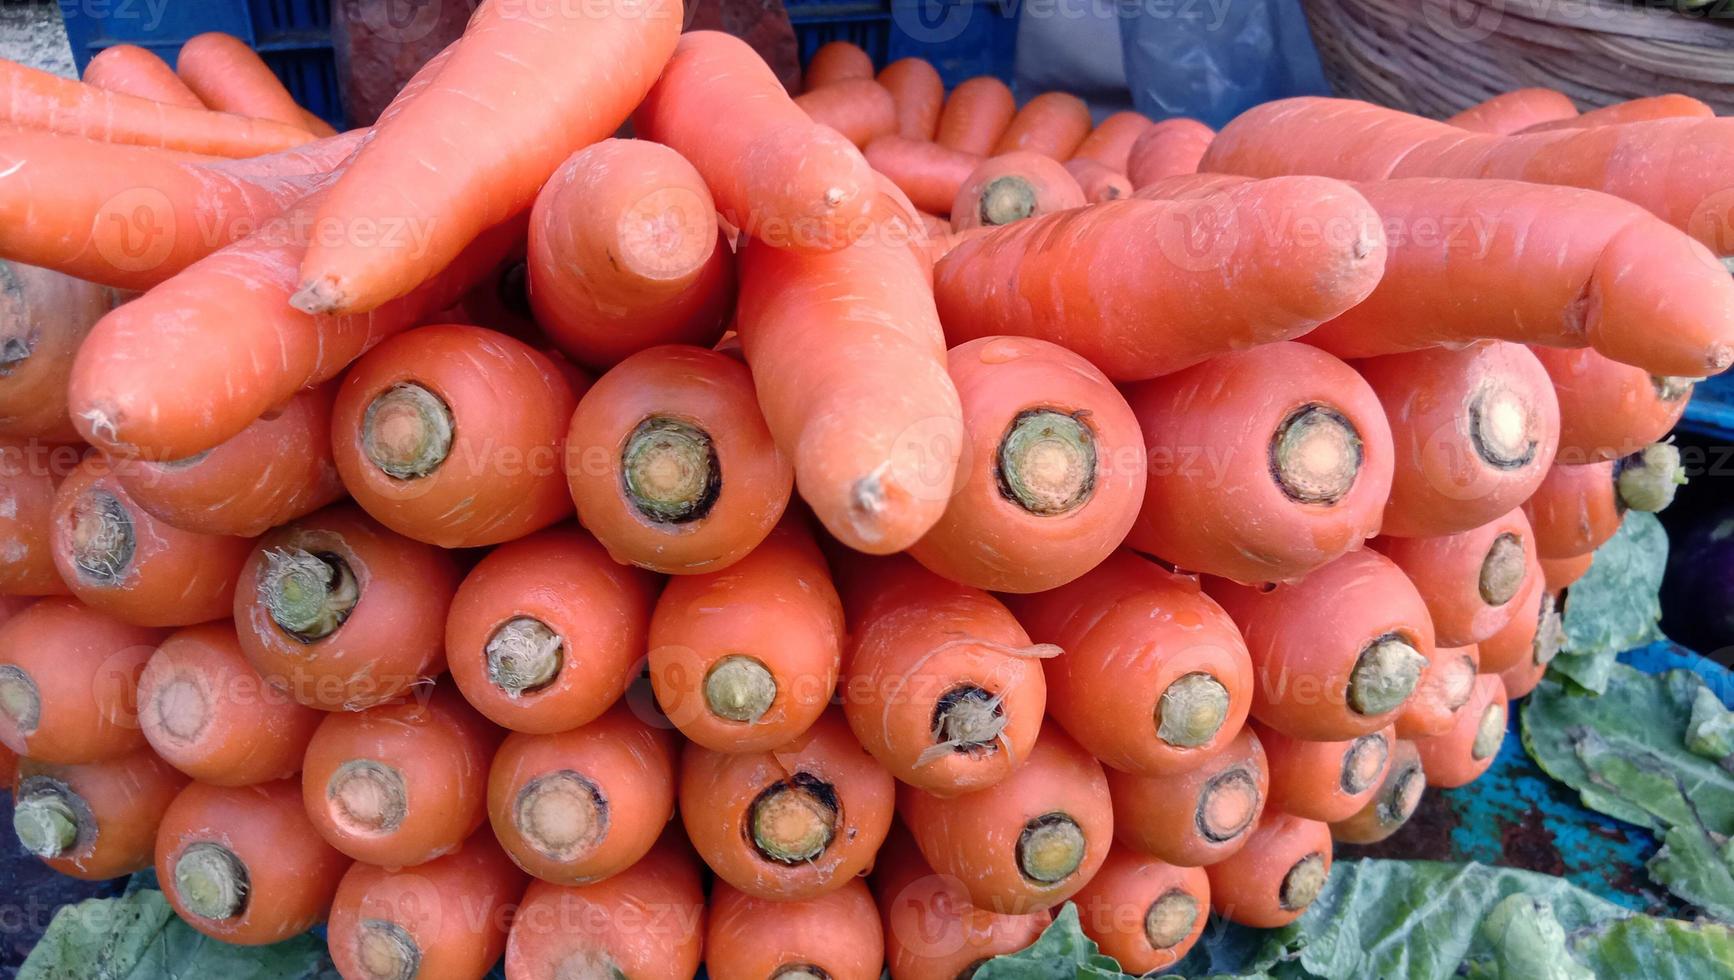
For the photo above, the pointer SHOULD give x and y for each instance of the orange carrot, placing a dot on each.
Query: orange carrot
(1196, 817)
(1110, 143)
(625, 253)
(919, 94)
(208, 713)
(835, 935)
(976, 115)
(128, 69)
(229, 76)
(1052, 124)
(69, 683)
(1671, 105)
(1336, 653)
(792, 823)
(837, 61)
(671, 464)
(940, 683)
(1444, 687)
(1155, 678)
(1514, 111)
(10, 606)
(1458, 756)
(44, 316)
(444, 920)
(584, 804)
(1030, 280)
(1097, 181)
(1561, 573)
(1608, 409)
(1576, 509)
(1522, 677)
(1170, 148)
(244, 864)
(1263, 464)
(1394, 802)
(859, 108)
(97, 820)
(1144, 913)
(1533, 633)
(1467, 579)
(931, 174)
(30, 473)
(932, 932)
(342, 613)
(1011, 186)
(1271, 881)
(1326, 781)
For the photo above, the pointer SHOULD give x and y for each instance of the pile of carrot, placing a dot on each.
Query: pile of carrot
(818, 533)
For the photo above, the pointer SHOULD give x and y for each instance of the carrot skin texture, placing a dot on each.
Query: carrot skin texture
(976, 115)
(1522, 677)
(859, 108)
(1576, 509)
(1392, 805)
(1170, 148)
(30, 473)
(1098, 182)
(1052, 124)
(1561, 573)
(229, 76)
(82, 667)
(932, 931)
(1247, 886)
(1515, 111)
(1671, 105)
(1326, 781)
(1114, 907)
(1458, 756)
(1110, 142)
(44, 316)
(1607, 409)
(1164, 816)
(931, 174)
(1445, 685)
(128, 69)
(1467, 578)
(919, 94)
(117, 805)
(838, 932)
(837, 61)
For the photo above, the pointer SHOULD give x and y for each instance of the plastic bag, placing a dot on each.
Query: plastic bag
(1213, 59)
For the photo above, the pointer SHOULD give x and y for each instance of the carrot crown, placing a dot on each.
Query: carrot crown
(1304, 881)
(1489, 732)
(407, 431)
(1502, 571)
(1050, 848)
(794, 821)
(1170, 918)
(1362, 762)
(49, 817)
(1499, 428)
(524, 655)
(739, 688)
(1385, 675)
(1402, 794)
(102, 537)
(1315, 455)
(669, 470)
(1192, 710)
(365, 796)
(1549, 631)
(386, 951)
(309, 596)
(212, 881)
(20, 701)
(562, 814)
(1007, 199)
(1047, 462)
(1648, 479)
(1227, 805)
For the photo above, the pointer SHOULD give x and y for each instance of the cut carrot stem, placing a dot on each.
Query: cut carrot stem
(1170, 148)
(97, 820)
(1271, 881)
(976, 115)
(1392, 804)
(835, 935)
(1143, 912)
(1110, 142)
(1469, 578)
(1463, 753)
(860, 109)
(128, 69)
(929, 173)
(44, 316)
(1607, 409)
(1198, 816)
(30, 473)
(1098, 182)
(919, 93)
(69, 683)
(1516, 110)
(1444, 687)
(932, 930)
(1326, 781)
(1052, 124)
(1012, 186)
(229, 76)
(837, 61)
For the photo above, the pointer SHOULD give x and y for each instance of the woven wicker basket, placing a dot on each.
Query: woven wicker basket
(1436, 57)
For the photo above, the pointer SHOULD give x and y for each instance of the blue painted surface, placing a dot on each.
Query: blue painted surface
(1711, 411)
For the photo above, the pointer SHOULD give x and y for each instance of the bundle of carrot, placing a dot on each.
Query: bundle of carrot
(817, 533)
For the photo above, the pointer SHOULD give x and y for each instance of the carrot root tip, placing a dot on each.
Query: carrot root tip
(308, 596)
(1499, 429)
(47, 824)
(366, 797)
(1051, 848)
(1402, 796)
(103, 540)
(1315, 455)
(1385, 675)
(1489, 732)
(794, 821)
(1502, 571)
(1047, 462)
(739, 688)
(1192, 710)
(1304, 881)
(1362, 763)
(385, 950)
(1649, 478)
(669, 471)
(20, 701)
(211, 881)
(317, 296)
(1227, 805)
(561, 814)
(1007, 199)
(1170, 919)
(407, 431)
(1672, 389)
(1549, 632)
(524, 656)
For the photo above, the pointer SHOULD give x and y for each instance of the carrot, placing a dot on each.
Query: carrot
(1110, 142)
(244, 864)
(1534, 635)
(1458, 756)
(342, 613)
(919, 95)
(859, 108)
(746, 660)
(976, 115)
(1561, 573)
(1608, 409)
(1027, 280)
(1052, 124)
(1097, 181)
(1144, 913)
(1155, 678)
(229, 76)
(30, 473)
(1576, 509)
(1263, 464)
(625, 253)
(837, 61)
(44, 315)
(932, 932)
(444, 920)
(835, 935)
(1514, 111)
(1445, 686)
(1198, 816)
(1011, 186)
(1671, 105)
(128, 69)
(591, 68)
(1326, 781)
(1336, 653)
(1392, 805)
(931, 174)
(10, 606)
(8, 768)
(208, 713)
(940, 683)
(671, 464)
(791, 823)
(1170, 148)
(583, 804)
(1468, 579)
(1522, 677)
(95, 820)
(1271, 881)
(646, 923)
(69, 681)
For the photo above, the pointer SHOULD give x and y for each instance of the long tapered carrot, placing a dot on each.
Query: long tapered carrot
(1458, 756)
(1519, 109)
(44, 316)
(976, 115)
(1143, 912)
(1672, 105)
(1445, 686)
(1608, 409)
(625, 253)
(30, 473)
(128, 69)
(859, 108)
(1395, 801)
(929, 173)
(1170, 148)
(1011, 186)
(1326, 781)
(97, 820)
(1097, 181)
(1044, 277)
(837, 61)
(1196, 817)
(834, 935)
(1052, 124)
(932, 931)
(1271, 881)
(919, 94)
(1468, 578)
(68, 683)
(229, 76)
(1110, 142)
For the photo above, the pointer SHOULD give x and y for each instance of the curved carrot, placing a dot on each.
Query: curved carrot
(1671, 105)
(671, 464)
(1170, 148)
(1097, 181)
(1336, 653)
(97, 820)
(229, 76)
(1608, 409)
(837, 61)
(1514, 111)
(1458, 756)
(584, 804)
(1011, 186)
(1110, 142)
(244, 864)
(1326, 781)
(119, 559)
(625, 253)
(1444, 687)
(1196, 817)
(976, 115)
(1561, 573)
(208, 713)
(932, 932)
(1027, 280)
(69, 683)
(941, 684)
(791, 823)
(1468, 579)
(919, 94)
(342, 613)
(776, 174)
(1144, 913)
(1155, 678)
(1052, 124)
(1534, 635)
(1394, 802)
(1263, 464)
(1576, 509)
(835, 935)
(931, 174)
(859, 108)
(30, 474)
(131, 70)
(746, 660)
(1271, 881)
(443, 920)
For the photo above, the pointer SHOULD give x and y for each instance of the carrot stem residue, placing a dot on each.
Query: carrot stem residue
(20, 701)
(1499, 428)
(562, 814)
(367, 797)
(1304, 881)
(795, 820)
(1047, 462)
(1191, 710)
(1489, 733)
(309, 596)
(1007, 199)
(1385, 675)
(1050, 848)
(1649, 478)
(386, 951)
(407, 431)
(103, 541)
(739, 688)
(524, 656)
(670, 470)
(1316, 455)
(46, 823)
(1170, 918)
(1502, 571)
(212, 882)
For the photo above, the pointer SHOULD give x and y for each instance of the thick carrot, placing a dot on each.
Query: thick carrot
(646, 923)
(919, 94)
(929, 173)
(1394, 802)
(128, 69)
(591, 67)
(1263, 464)
(1337, 653)
(1514, 111)
(443, 920)
(1325, 781)
(342, 613)
(1468, 579)
(625, 253)
(1608, 409)
(1144, 913)
(1671, 105)
(932, 931)
(940, 683)
(69, 683)
(229, 76)
(1097, 181)
(790, 823)
(1444, 687)
(1475, 430)
(1561, 573)
(837, 61)
(1052, 124)
(976, 115)
(208, 713)
(583, 804)
(1044, 278)
(1458, 756)
(244, 864)
(30, 473)
(1196, 817)
(1155, 678)
(44, 316)
(1576, 509)
(1170, 148)
(119, 559)
(10, 606)
(1110, 142)
(859, 108)
(1522, 677)
(1271, 881)
(97, 820)
(746, 660)
(671, 464)
(835, 935)
(1534, 635)
(1011, 186)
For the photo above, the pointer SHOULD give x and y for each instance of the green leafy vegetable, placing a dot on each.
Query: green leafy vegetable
(1710, 732)
(1063, 951)
(1616, 605)
(1528, 942)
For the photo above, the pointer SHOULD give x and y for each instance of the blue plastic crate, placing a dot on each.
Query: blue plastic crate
(1711, 410)
(962, 38)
